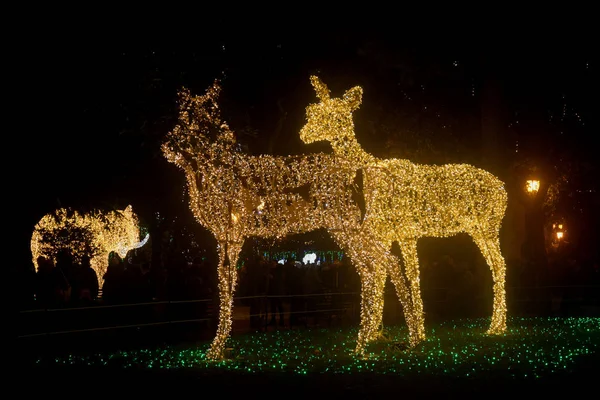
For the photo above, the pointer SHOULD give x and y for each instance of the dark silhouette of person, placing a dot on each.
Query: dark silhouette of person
(294, 278)
(312, 287)
(86, 282)
(112, 292)
(26, 278)
(276, 290)
(196, 289)
(63, 276)
(253, 286)
(44, 285)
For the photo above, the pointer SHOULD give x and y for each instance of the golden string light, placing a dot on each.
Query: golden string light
(407, 201)
(237, 196)
(96, 235)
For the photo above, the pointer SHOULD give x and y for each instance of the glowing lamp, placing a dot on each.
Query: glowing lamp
(533, 186)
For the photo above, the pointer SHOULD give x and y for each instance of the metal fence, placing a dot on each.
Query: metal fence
(322, 309)
(251, 312)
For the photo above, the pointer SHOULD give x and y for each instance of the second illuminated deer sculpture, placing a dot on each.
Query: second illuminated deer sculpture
(407, 201)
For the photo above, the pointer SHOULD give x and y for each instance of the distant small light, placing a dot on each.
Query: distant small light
(533, 186)
(309, 258)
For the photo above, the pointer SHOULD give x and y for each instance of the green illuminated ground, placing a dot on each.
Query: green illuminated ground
(532, 347)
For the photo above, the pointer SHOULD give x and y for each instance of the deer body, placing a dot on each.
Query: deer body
(406, 201)
(237, 196)
(431, 201)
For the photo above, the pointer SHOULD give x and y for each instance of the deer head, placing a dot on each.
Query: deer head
(331, 119)
(199, 121)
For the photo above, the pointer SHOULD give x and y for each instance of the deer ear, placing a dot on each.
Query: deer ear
(353, 97)
(183, 94)
(321, 88)
(214, 91)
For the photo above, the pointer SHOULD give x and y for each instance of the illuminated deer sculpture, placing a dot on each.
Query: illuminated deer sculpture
(406, 201)
(237, 196)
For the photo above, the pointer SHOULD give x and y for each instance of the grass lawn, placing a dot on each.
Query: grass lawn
(531, 348)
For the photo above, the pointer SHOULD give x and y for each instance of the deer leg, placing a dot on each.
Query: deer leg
(490, 248)
(411, 263)
(227, 272)
(372, 279)
(402, 291)
(370, 268)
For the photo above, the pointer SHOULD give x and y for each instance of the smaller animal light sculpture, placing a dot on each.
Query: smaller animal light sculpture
(96, 234)
(309, 258)
(405, 201)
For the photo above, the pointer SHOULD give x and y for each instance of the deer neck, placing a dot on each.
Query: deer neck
(350, 149)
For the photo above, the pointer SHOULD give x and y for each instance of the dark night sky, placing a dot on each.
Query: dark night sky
(100, 106)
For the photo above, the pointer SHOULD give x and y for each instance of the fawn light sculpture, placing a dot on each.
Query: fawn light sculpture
(237, 196)
(405, 201)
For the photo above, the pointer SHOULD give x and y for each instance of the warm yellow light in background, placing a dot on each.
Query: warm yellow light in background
(116, 231)
(559, 235)
(407, 201)
(533, 186)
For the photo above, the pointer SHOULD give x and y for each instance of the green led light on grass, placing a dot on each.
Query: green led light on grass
(531, 347)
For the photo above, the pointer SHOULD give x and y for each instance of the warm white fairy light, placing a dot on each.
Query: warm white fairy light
(533, 186)
(103, 233)
(309, 258)
(407, 201)
(237, 196)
